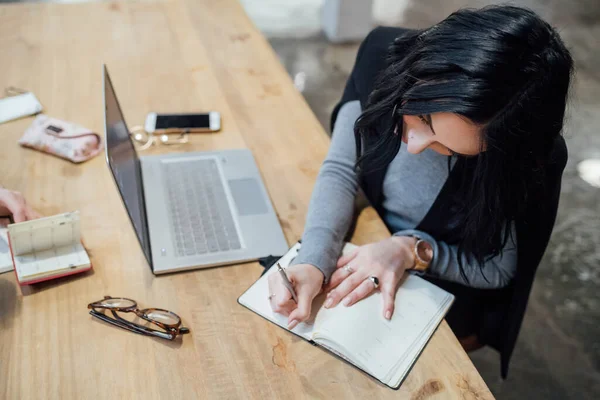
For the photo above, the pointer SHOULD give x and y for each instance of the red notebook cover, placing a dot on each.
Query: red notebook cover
(47, 278)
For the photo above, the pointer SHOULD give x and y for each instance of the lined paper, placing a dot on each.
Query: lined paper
(46, 245)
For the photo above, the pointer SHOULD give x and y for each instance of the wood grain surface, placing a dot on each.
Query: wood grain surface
(172, 56)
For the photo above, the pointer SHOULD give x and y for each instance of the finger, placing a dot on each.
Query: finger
(19, 215)
(32, 214)
(348, 285)
(302, 312)
(283, 308)
(346, 258)
(280, 298)
(361, 291)
(16, 207)
(388, 291)
(338, 276)
(280, 291)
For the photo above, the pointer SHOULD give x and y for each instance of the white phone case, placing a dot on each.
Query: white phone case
(18, 106)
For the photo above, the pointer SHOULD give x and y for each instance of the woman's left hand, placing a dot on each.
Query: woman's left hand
(387, 260)
(13, 203)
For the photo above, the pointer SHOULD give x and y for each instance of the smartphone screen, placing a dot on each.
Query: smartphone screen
(166, 121)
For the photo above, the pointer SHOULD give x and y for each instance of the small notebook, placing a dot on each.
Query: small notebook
(47, 248)
(359, 334)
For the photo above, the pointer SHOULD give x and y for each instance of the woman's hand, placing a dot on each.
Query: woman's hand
(14, 203)
(307, 281)
(387, 260)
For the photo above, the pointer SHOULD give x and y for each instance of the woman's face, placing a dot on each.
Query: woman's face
(446, 133)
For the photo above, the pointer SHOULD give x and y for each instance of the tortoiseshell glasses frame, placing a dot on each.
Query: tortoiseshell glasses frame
(167, 321)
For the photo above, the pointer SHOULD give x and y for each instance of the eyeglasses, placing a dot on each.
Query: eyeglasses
(168, 321)
(146, 140)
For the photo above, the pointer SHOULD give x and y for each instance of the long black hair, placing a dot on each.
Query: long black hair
(503, 68)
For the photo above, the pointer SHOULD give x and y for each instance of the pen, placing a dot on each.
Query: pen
(287, 283)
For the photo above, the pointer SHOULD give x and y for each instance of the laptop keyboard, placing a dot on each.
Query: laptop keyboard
(199, 213)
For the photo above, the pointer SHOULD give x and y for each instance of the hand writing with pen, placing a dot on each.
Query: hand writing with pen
(376, 266)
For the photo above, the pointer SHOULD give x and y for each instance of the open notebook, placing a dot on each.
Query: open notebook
(359, 334)
(47, 248)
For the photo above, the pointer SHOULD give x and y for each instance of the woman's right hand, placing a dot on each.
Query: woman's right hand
(307, 281)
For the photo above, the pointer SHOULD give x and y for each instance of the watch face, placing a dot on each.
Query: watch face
(424, 251)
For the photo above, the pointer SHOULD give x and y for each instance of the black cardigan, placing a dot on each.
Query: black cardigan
(502, 309)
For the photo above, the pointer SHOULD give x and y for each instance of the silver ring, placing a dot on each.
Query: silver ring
(375, 281)
(348, 269)
(271, 296)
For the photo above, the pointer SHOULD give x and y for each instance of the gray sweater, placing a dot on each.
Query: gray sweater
(410, 187)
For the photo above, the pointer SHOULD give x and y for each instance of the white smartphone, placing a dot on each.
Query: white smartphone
(162, 123)
(18, 106)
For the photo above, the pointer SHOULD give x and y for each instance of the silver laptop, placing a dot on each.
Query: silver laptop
(191, 210)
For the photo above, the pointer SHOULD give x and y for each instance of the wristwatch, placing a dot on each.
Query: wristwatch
(423, 252)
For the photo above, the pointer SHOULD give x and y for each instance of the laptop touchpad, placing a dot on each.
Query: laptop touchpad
(247, 196)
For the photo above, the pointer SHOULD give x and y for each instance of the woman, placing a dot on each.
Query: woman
(455, 133)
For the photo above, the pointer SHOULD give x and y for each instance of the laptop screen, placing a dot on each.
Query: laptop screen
(125, 165)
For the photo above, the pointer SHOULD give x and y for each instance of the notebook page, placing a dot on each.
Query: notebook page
(43, 262)
(376, 344)
(47, 244)
(396, 376)
(45, 233)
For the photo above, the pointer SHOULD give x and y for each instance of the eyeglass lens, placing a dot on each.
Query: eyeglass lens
(164, 317)
(117, 303)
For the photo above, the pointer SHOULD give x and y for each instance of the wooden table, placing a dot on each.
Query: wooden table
(170, 56)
